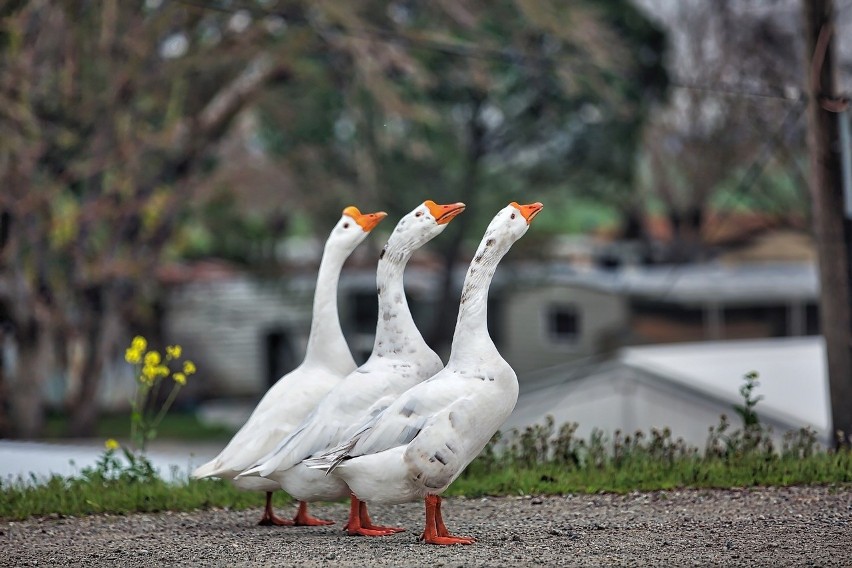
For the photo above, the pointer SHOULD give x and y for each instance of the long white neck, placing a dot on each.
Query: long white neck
(326, 344)
(471, 335)
(395, 329)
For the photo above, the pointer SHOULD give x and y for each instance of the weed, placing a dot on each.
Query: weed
(625, 462)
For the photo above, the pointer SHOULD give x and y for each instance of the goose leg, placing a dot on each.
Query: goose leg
(269, 517)
(356, 527)
(303, 519)
(436, 531)
(368, 523)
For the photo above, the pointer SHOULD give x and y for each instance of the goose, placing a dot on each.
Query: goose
(327, 360)
(399, 360)
(421, 443)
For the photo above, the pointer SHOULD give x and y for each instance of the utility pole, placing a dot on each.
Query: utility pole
(832, 226)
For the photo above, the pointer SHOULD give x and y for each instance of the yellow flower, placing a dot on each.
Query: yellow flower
(111, 444)
(179, 378)
(173, 351)
(133, 356)
(162, 370)
(149, 373)
(189, 367)
(152, 358)
(139, 343)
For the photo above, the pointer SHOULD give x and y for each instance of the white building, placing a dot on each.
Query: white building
(685, 387)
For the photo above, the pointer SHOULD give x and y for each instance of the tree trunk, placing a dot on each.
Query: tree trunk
(833, 231)
(5, 394)
(100, 326)
(33, 366)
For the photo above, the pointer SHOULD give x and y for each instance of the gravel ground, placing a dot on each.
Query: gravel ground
(800, 526)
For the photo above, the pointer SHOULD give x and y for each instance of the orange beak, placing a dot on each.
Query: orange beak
(528, 211)
(444, 213)
(367, 221)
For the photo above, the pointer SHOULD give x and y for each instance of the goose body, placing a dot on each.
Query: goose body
(422, 442)
(293, 396)
(399, 360)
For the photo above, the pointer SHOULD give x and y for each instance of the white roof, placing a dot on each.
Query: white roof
(685, 386)
(793, 374)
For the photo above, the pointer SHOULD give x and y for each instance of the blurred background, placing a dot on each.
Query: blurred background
(171, 168)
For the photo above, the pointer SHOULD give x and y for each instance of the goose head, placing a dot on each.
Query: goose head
(509, 225)
(422, 224)
(353, 227)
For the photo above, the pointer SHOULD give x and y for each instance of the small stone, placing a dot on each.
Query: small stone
(516, 538)
(537, 501)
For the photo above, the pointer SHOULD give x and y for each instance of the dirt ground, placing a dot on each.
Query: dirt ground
(800, 526)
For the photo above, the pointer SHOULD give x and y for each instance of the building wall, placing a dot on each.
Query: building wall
(536, 328)
(225, 325)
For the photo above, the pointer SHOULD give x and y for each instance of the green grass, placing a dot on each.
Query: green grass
(539, 460)
(88, 495)
(652, 475)
(77, 497)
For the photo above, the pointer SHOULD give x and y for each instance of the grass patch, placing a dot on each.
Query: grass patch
(539, 460)
(75, 497)
(646, 475)
(113, 486)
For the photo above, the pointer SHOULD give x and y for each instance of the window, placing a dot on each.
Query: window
(280, 356)
(365, 307)
(563, 324)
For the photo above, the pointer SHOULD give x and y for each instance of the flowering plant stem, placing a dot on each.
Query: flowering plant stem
(165, 408)
(151, 370)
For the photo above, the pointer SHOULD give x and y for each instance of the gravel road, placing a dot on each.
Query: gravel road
(800, 526)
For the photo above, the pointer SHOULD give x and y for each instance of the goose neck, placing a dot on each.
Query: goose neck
(472, 323)
(326, 343)
(395, 328)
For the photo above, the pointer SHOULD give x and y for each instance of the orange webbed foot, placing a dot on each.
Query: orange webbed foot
(449, 540)
(389, 530)
(436, 531)
(274, 521)
(361, 524)
(303, 519)
(363, 531)
(310, 522)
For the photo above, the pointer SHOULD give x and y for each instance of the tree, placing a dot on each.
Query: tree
(734, 105)
(109, 110)
(832, 226)
(476, 102)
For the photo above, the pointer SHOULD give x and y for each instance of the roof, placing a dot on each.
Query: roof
(684, 385)
(764, 283)
(792, 373)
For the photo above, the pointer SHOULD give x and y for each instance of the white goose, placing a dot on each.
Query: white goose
(293, 396)
(424, 440)
(400, 359)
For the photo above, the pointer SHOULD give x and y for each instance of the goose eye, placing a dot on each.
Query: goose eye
(345, 225)
(418, 214)
(513, 215)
